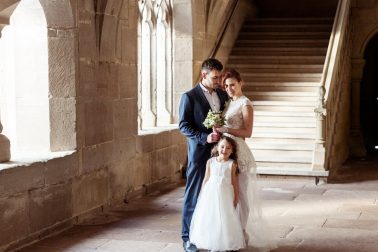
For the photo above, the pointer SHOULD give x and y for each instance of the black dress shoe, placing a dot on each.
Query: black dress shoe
(189, 247)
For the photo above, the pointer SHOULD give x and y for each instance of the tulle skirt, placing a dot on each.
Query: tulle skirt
(216, 223)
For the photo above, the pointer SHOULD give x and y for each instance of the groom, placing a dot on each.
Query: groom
(194, 106)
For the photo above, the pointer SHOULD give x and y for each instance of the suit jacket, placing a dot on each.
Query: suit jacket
(192, 112)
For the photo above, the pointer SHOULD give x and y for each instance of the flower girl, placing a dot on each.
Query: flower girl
(216, 223)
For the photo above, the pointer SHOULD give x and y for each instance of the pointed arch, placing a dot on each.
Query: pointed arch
(39, 84)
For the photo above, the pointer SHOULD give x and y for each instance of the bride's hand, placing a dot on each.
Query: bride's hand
(222, 129)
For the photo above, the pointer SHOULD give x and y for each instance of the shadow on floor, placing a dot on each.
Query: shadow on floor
(357, 170)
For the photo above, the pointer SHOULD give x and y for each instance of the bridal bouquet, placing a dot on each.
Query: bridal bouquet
(214, 118)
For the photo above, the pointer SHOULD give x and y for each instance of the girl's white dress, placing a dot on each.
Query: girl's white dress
(216, 222)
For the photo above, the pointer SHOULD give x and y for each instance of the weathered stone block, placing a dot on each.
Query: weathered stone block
(22, 178)
(141, 171)
(98, 122)
(62, 66)
(165, 163)
(96, 157)
(88, 47)
(125, 120)
(145, 143)
(62, 124)
(87, 81)
(128, 81)
(130, 45)
(162, 140)
(124, 150)
(61, 169)
(106, 79)
(90, 191)
(108, 37)
(14, 218)
(50, 205)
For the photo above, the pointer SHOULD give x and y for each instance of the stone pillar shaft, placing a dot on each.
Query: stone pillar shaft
(356, 143)
(4, 146)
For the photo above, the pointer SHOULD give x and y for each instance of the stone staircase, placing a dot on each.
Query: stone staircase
(281, 62)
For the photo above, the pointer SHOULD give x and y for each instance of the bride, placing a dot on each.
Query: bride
(238, 125)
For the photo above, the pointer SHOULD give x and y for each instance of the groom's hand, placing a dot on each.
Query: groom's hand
(213, 137)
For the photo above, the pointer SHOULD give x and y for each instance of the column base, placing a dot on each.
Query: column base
(318, 157)
(356, 144)
(4, 148)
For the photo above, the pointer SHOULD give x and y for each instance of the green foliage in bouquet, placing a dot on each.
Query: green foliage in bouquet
(214, 118)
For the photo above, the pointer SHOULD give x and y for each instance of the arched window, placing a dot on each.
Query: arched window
(155, 63)
(24, 78)
(38, 76)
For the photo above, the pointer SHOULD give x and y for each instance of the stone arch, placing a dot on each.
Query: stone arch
(365, 41)
(60, 109)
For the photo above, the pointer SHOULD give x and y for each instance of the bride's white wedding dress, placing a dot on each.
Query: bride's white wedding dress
(249, 204)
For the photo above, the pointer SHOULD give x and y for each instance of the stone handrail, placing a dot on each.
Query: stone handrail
(328, 95)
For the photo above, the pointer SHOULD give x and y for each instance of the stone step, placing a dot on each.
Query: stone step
(261, 43)
(283, 119)
(277, 165)
(273, 124)
(285, 27)
(252, 88)
(290, 21)
(270, 134)
(291, 171)
(285, 77)
(302, 51)
(266, 97)
(282, 94)
(286, 114)
(284, 35)
(280, 141)
(285, 130)
(277, 68)
(259, 59)
(283, 156)
(274, 145)
(288, 108)
(282, 84)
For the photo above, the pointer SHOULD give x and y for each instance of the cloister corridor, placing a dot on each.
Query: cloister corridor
(335, 216)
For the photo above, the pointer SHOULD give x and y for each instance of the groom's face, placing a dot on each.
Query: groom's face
(211, 79)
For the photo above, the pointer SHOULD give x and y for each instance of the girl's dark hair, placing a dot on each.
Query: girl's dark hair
(234, 156)
(231, 73)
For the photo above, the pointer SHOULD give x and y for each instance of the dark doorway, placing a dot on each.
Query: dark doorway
(369, 97)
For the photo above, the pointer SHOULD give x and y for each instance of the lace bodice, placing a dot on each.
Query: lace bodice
(233, 113)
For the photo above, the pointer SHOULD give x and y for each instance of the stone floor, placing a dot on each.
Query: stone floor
(339, 216)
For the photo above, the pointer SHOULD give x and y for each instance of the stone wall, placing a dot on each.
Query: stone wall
(112, 161)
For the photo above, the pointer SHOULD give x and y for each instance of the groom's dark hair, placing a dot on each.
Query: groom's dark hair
(211, 64)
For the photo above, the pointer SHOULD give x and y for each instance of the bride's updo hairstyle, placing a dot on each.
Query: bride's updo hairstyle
(231, 73)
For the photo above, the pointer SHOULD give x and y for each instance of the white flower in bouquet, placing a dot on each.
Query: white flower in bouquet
(214, 118)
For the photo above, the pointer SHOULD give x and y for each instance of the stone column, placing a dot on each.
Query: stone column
(318, 157)
(356, 143)
(4, 146)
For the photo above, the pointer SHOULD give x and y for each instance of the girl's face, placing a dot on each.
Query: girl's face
(233, 87)
(224, 149)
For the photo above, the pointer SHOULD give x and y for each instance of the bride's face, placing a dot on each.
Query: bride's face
(233, 87)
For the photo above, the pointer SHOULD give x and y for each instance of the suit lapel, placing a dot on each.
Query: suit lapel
(202, 98)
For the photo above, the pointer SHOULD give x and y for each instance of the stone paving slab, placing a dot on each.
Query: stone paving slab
(303, 217)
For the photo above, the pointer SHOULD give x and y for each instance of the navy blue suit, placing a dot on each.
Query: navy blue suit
(192, 112)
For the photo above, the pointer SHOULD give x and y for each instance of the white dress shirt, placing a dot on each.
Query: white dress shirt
(212, 98)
